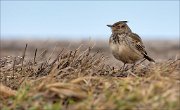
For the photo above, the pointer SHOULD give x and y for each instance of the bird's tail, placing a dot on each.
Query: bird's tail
(148, 58)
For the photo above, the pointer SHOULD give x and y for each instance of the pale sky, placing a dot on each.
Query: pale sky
(84, 19)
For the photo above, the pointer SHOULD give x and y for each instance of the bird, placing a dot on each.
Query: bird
(126, 45)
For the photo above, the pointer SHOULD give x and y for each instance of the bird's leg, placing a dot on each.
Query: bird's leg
(133, 67)
(141, 61)
(126, 68)
(123, 67)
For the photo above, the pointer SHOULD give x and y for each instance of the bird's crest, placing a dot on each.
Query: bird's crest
(120, 22)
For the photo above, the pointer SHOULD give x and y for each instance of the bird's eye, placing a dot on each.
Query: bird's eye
(122, 26)
(118, 27)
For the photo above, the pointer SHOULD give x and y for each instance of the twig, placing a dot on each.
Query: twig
(23, 56)
(42, 54)
(57, 57)
(52, 53)
(35, 56)
(133, 75)
(14, 66)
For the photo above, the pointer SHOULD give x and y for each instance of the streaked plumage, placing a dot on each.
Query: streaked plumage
(126, 46)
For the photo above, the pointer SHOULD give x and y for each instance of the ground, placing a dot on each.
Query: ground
(83, 75)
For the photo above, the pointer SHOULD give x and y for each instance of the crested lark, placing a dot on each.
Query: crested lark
(125, 45)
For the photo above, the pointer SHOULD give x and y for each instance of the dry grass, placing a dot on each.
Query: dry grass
(81, 80)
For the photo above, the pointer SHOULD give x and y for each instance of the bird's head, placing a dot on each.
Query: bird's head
(120, 27)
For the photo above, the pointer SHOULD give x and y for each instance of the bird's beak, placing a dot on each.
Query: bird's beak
(109, 25)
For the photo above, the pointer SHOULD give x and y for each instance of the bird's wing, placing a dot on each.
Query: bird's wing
(137, 43)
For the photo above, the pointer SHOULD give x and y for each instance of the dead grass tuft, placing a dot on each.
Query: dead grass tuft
(77, 79)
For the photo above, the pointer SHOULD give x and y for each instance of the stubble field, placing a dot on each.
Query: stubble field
(83, 75)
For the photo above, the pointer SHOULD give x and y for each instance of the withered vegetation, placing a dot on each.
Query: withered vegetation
(81, 80)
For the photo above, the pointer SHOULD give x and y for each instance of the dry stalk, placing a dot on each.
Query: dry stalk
(35, 53)
(23, 56)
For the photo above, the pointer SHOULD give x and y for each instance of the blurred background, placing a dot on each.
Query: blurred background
(53, 25)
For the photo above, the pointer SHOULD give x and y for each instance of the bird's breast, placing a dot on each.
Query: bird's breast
(117, 48)
(124, 53)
